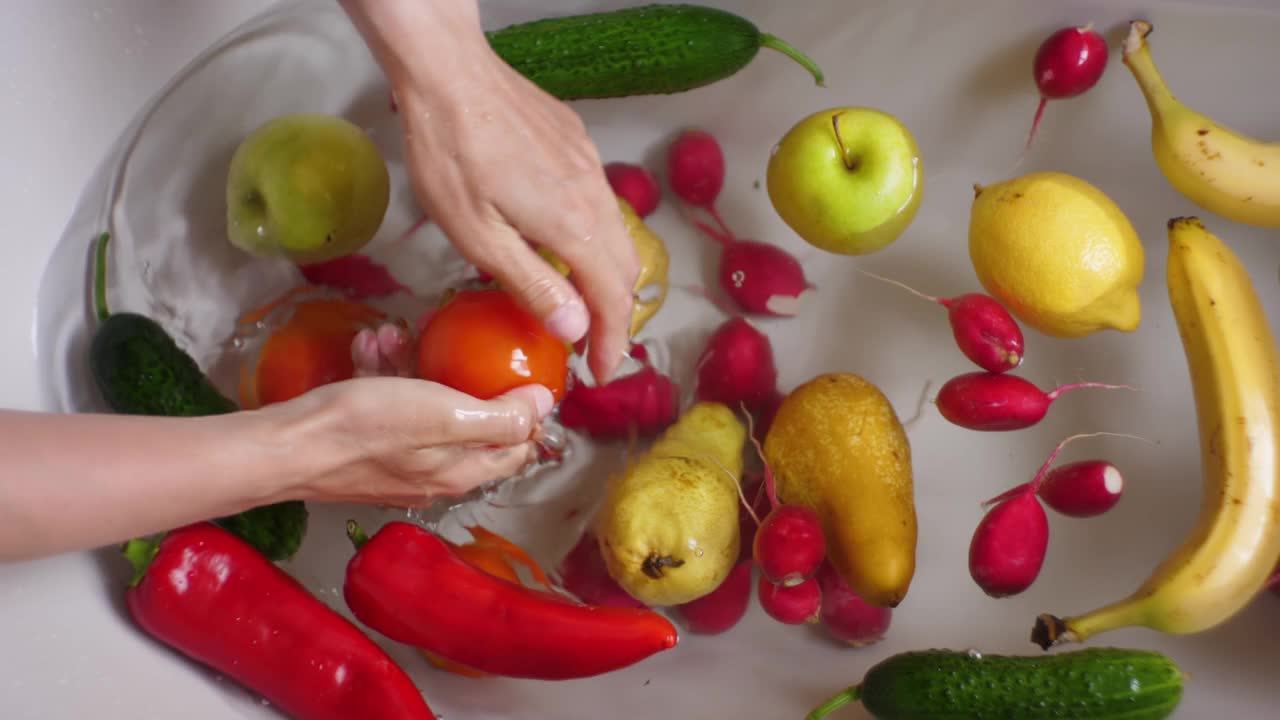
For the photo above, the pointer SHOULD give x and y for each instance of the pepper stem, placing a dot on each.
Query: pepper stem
(100, 279)
(140, 552)
(356, 534)
(774, 42)
(848, 695)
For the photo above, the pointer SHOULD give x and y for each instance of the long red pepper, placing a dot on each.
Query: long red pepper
(212, 597)
(406, 583)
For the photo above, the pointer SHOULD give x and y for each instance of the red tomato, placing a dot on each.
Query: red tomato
(311, 349)
(482, 343)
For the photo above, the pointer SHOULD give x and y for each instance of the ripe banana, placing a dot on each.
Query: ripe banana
(1235, 376)
(1221, 170)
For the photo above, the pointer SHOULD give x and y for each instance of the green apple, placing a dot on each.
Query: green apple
(309, 187)
(846, 180)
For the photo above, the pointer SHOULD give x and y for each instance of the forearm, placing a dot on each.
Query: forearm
(426, 43)
(73, 481)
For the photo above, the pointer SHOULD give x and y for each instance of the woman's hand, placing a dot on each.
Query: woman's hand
(500, 164)
(382, 440)
(404, 442)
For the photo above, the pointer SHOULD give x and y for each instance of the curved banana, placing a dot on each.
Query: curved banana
(1235, 376)
(1221, 170)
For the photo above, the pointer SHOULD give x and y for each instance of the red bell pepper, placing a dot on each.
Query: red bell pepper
(408, 584)
(212, 597)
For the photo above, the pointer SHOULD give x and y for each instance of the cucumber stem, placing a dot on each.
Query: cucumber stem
(774, 42)
(140, 552)
(100, 279)
(848, 695)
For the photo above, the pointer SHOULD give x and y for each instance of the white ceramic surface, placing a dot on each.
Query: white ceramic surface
(957, 74)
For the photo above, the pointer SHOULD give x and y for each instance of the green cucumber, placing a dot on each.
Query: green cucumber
(649, 50)
(1091, 684)
(140, 370)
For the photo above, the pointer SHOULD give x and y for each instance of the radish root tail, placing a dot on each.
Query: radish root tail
(1057, 392)
(902, 285)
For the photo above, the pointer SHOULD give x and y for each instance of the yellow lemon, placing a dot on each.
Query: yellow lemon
(1058, 253)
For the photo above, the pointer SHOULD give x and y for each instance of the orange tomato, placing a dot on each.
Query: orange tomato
(312, 348)
(482, 343)
(497, 556)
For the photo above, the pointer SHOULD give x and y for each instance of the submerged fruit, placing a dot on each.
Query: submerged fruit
(1058, 253)
(309, 187)
(837, 447)
(309, 347)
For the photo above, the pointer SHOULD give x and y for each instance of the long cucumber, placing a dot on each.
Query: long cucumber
(649, 50)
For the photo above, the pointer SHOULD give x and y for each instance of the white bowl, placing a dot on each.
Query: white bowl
(958, 74)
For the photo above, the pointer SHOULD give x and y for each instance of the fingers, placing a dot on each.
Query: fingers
(533, 282)
(395, 346)
(582, 225)
(508, 419)
(364, 353)
(473, 467)
(388, 350)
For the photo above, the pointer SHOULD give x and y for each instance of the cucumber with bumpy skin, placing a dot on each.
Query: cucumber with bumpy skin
(140, 370)
(1090, 684)
(649, 50)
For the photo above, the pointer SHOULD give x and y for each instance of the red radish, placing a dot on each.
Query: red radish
(356, 275)
(583, 573)
(644, 403)
(996, 402)
(635, 184)
(789, 545)
(791, 604)
(983, 329)
(760, 278)
(1007, 550)
(1068, 63)
(736, 367)
(846, 616)
(695, 168)
(1008, 547)
(1082, 489)
(723, 607)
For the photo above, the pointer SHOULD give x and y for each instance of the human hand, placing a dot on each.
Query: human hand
(403, 442)
(498, 164)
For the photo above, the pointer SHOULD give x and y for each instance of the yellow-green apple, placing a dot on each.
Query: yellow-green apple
(309, 187)
(847, 180)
